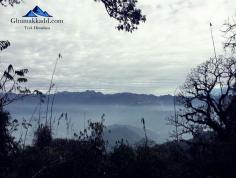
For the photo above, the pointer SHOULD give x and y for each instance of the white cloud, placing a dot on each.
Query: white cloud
(154, 59)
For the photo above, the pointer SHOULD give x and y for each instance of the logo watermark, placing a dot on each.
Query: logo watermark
(37, 19)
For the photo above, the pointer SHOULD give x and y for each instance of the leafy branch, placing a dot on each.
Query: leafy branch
(125, 12)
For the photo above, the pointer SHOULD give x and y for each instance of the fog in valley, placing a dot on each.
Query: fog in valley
(115, 116)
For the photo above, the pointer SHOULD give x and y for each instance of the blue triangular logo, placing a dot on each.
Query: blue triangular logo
(37, 11)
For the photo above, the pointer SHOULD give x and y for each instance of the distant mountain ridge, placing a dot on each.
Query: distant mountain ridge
(93, 97)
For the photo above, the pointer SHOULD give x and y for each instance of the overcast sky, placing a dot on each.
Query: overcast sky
(154, 59)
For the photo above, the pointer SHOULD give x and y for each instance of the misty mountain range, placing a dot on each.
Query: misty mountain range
(92, 97)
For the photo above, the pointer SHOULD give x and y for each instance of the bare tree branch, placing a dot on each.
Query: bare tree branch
(204, 106)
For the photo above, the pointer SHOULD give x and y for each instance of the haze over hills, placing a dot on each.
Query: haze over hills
(123, 113)
(129, 134)
(93, 97)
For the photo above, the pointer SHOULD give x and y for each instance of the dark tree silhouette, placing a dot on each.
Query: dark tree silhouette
(12, 85)
(206, 97)
(126, 12)
(42, 137)
(7, 144)
(11, 89)
(230, 35)
(4, 45)
(9, 2)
